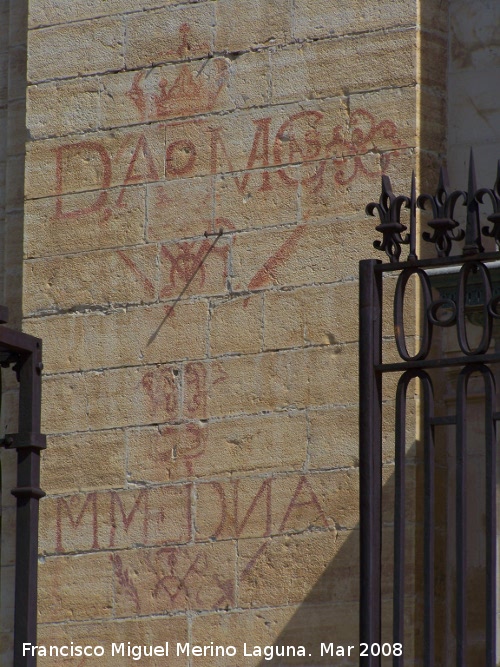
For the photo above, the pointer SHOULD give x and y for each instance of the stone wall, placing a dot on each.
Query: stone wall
(196, 177)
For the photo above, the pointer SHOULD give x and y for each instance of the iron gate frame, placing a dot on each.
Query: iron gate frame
(473, 259)
(23, 353)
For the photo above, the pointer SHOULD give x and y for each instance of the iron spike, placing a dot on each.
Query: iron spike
(387, 186)
(472, 231)
(472, 173)
(413, 218)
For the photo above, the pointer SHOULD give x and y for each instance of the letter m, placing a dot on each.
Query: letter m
(117, 510)
(70, 513)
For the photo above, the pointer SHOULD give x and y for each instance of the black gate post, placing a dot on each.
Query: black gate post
(24, 353)
(370, 446)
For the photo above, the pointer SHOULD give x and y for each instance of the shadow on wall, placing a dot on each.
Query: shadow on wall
(328, 615)
(326, 623)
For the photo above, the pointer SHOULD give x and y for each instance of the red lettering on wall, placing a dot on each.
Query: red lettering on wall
(116, 502)
(259, 152)
(181, 156)
(303, 496)
(267, 274)
(299, 137)
(261, 137)
(264, 495)
(216, 144)
(297, 142)
(187, 263)
(124, 579)
(65, 153)
(135, 269)
(142, 159)
(66, 508)
(175, 575)
(161, 390)
(192, 447)
(365, 131)
(195, 399)
(136, 94)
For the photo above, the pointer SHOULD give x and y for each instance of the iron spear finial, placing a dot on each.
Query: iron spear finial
(494, 217)
(389, 212)
(413, 218)
(443, 224)
(473, 243)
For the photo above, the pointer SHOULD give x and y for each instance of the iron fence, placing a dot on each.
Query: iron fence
(461, 254)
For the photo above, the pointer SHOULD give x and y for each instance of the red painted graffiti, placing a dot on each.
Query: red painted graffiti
(67, 508)
(365, 132)
(187, 264)
(125, 581)
(192, 447)
(173, 575)
(118, 519)
(186, 43)
(172, 578)
(68, 152)
(300, 140)
(188, 93)
(268, 273)
(145, 281)
(260, 514)
(161, 389)
(195, 382)
(303, 496)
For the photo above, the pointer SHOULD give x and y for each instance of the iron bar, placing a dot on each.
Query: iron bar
(438, 363)
(370, 446)
(412, 205)
(17, 341)
(443, 224)
(461, 517)
(24, 353)
(494, 195)
(429, 522)
(473, 243)
(463, 341)
(484, 257)
(28, 442)
(399, 513)
(491, 515)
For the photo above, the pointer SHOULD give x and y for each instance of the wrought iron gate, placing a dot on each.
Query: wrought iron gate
(472, 269)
